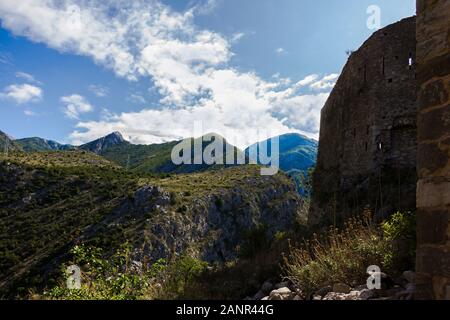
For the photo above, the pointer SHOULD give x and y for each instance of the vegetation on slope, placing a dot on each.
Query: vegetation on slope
(39, 145)
(343, 256)
(298, 156)
(51, 202)
(5, 140)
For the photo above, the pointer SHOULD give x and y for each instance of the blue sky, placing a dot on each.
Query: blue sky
(72, 71)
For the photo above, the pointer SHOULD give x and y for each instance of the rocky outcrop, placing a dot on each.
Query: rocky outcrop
(433, 189)
(100, 145)
(367, 150)
(215, 227)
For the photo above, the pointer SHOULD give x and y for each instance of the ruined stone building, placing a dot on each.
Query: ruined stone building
(368, 145)
(433, 188)
(387, 119)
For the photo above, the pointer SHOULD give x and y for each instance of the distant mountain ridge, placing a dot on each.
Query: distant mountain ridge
(6, 140)
(297, 153)
(157, 157)
(37, 144)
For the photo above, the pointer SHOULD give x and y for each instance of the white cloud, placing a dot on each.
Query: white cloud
(29, 113)
(307, 80)
(5, 58)
(302, 111)
(99, 90)
(327, 82)
(280, 50)
(206, 7)
(189, 67)
(237, 36)
(136, 98)
(27, 77)
(22, 93)
(75, 105)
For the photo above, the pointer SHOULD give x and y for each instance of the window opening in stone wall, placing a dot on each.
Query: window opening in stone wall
(383, 66)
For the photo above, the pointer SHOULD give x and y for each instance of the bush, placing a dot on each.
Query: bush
(400, 231)
(339, 256)
(117, 278)
(180, 277)
(106, 279)
(344, 255)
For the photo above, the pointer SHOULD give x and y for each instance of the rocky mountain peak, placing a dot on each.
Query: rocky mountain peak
(100, 145)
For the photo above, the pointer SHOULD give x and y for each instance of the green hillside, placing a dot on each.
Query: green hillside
(156, 158)
(5, 140)
(298, 156)
(51, 201)
(36, 144)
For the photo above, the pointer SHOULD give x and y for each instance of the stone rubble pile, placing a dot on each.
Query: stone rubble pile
(402, 288)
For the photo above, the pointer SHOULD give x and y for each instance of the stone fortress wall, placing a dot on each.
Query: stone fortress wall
(388, 114)
(433, 158)
(368, 130)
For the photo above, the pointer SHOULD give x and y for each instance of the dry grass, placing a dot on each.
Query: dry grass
(338, 256)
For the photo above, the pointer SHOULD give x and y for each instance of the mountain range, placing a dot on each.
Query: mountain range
(297, 153)
(109, 191)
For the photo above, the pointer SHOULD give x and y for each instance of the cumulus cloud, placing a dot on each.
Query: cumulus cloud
(99, 90)
(327, 82)
(280, 50)
(75, 105)
(189, 67)
(22, 93)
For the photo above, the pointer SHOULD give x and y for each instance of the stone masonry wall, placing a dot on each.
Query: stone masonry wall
(433, 189)
(367, 149)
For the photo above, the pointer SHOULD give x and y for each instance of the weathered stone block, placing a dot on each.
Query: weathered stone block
(424, 289)
(440, 287)
(432, 157)
(432, 226)
(433, 94)
(434, 123)
(433, 260)
(433, 193)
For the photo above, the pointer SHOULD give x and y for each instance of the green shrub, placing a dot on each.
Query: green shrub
(115, 278)
(180, 277)
(106, 279)
(400, 232)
